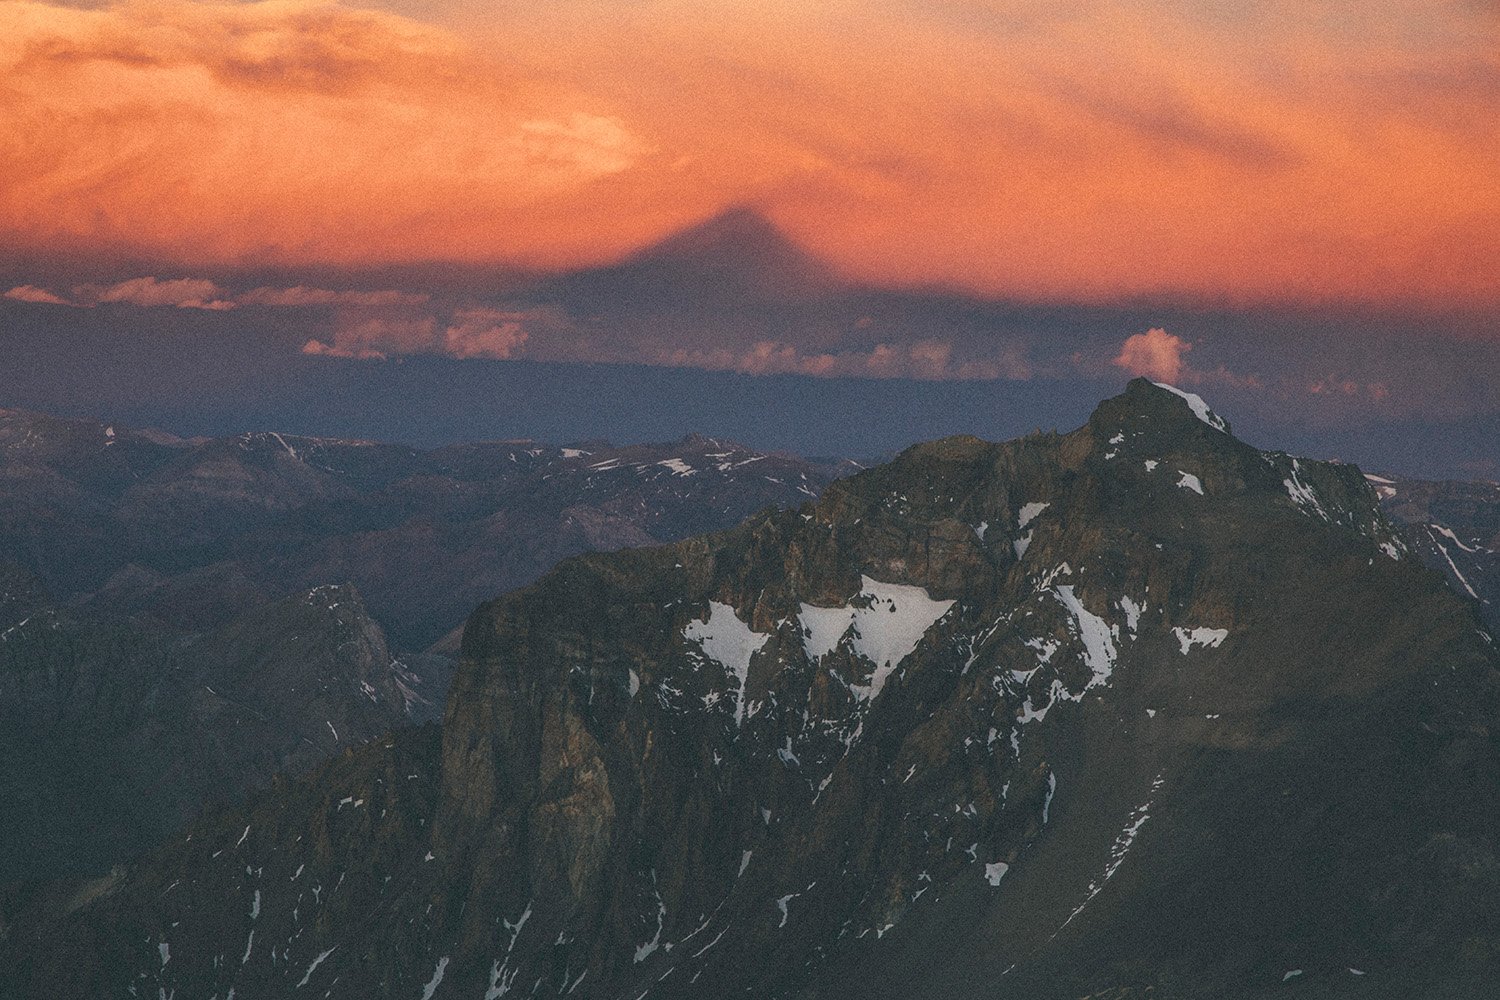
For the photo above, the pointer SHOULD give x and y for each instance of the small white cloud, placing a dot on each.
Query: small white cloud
(1161, 356)
(1155, 354)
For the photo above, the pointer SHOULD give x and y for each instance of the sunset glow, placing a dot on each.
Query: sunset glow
(1073, 152)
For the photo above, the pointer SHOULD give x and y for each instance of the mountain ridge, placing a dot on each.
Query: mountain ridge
(192, 532)
(1208, 730)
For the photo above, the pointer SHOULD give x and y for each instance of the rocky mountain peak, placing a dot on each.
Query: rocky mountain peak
(1063, 716)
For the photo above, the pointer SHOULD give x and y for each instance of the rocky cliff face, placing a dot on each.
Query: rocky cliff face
(1132, 711)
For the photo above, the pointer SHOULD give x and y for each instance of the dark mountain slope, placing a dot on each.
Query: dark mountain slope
(1132, 711)
(1455, 527)
(152, 660)
(115, 733)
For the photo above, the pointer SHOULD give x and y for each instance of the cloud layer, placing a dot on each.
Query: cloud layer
(1081, 151)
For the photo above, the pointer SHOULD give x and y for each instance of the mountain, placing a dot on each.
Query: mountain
(1133, 711)
(176, 625)
(1455, 527)
(113, 733)
(192, 533)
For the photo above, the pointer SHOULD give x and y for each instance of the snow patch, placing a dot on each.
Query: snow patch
(437, 977)
(1209, 638)
(1028, 512)
(1451, 564)
(644, 951)
(730, 643)
(885, 632)
(1119, 849)
(678, 467)
(1098, 641)
(781, 905)
(1022, 544)
(993, 873)
(313, 967)
(1190, 482)
(1302, 494)
(1448, 534)
(1197, 405)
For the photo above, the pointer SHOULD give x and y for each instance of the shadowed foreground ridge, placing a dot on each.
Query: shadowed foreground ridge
(1133, 711)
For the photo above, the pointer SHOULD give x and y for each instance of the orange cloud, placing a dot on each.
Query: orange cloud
(31, 293)
(1087, 150)
(184, 293)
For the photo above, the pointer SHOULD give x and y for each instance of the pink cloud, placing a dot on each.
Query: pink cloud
(472, 332)
(184, 293)
(377, 338)
(924, 359)
(485, 333)
(31, 293)
(1155, 354)
(301, 295)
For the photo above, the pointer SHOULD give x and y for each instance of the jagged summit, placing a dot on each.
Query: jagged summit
(1139, 390)
(1152, 446)
(1133, 710)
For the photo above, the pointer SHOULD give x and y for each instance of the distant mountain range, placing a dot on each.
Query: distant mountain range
(191, 533)
(182, 620)
(1133, 711)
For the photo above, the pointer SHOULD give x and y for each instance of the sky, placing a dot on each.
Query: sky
(1292, 207)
